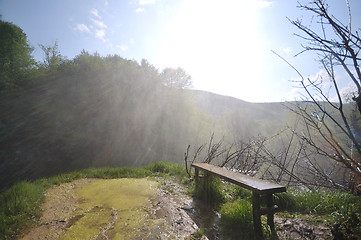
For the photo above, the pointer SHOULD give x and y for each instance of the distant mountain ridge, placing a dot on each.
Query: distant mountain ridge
(262, 118)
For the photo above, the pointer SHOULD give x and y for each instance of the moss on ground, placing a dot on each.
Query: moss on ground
(116, 208)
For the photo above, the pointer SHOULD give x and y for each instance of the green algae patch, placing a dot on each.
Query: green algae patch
(88, 225)
(120, 194)
(114, 209)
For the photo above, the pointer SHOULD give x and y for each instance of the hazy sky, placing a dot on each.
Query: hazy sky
(225, 45)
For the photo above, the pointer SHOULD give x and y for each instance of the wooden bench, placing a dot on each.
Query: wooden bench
(257, 186)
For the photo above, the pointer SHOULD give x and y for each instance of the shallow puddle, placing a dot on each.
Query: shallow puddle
(205, 217)
(115, 209)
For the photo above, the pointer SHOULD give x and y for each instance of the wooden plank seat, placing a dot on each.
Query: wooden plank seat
(257, 186)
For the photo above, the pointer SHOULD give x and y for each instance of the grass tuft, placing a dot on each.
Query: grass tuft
(317, 202)
(18, 207)
(237, 216)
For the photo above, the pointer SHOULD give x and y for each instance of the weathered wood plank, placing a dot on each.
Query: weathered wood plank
(254, 184)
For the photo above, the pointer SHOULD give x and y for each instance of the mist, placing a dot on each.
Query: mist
(96, 111)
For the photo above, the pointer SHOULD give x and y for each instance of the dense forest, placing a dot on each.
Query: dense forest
(60, 115)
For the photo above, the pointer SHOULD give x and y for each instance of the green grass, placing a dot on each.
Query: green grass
(19, 207)
(341, 211)
(167, 169)
(237, 215)
(20, 204)
(318, 202)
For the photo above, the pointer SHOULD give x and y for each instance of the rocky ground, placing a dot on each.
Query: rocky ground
(170, 203)
(299, 228)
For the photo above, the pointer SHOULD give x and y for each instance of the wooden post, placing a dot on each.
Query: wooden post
(196, 175)
(206, 187)
(270, 214)
(209, 190)
(256, 205)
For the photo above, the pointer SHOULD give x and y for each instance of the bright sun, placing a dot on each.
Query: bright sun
(218, 44)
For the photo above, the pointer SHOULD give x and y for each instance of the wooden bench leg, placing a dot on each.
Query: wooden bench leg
(256, 205)
(196, 175)
(209, 196)
(207, 188)
(270, 215)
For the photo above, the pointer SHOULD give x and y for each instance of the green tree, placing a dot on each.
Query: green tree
(52, 56)
(176, 78)
(15, 55)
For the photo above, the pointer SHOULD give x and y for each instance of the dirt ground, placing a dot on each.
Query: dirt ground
(61, 202)
(300, 229)
(169, 204)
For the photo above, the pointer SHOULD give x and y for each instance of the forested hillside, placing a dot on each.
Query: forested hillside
(59, 115)
(62, 114)
(109, 111)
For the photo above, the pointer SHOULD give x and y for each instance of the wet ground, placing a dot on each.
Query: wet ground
(139, 209)
(114, 209)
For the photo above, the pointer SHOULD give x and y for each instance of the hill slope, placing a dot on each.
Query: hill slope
(116, 113)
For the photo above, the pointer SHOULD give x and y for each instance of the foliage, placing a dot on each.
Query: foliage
(96, 111)
(15, 56)
(107, 111)
(90, 108)
(52, 56)
(176, 78)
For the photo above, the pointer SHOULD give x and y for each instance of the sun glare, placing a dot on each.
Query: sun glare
(218, 44)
